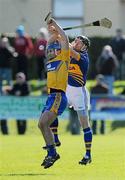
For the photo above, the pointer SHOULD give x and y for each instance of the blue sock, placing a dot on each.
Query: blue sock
(51, 150)
(88, 140)
(55, 134)
(54, 128)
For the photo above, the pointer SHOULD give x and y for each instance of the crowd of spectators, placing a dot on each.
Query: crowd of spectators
(21, 50)
(109, 66)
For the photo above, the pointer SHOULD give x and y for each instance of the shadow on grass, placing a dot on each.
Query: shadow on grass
(26, 174)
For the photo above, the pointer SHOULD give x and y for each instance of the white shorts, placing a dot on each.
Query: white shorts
(78, 97)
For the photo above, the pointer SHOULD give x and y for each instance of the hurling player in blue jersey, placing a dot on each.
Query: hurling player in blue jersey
(77, 94)
(77, 74)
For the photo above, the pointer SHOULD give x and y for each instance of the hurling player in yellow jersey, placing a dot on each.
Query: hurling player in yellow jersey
(58, 57)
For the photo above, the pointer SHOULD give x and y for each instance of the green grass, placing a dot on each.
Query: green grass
(20, 156)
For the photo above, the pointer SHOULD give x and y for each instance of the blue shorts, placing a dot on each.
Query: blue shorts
(56, 102)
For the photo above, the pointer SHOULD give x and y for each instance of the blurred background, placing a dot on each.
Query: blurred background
(31, 14)
(25, 18)
(23, 91)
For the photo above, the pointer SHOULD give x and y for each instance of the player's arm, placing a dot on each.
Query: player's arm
(64, 39)
(74, 54)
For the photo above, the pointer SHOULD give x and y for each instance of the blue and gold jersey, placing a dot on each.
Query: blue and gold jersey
(57, 66)
(78, 70)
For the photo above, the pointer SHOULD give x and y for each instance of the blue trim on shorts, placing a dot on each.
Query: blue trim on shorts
(51, 99)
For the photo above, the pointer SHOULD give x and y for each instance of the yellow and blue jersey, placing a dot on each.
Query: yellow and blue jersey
(57, 66)
(78, 70)
(57, 77)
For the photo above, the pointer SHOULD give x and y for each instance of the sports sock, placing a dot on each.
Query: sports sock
(88, 140)
(54, 128)
(51, 150)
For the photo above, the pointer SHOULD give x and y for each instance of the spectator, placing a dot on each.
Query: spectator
(106, 65)
(39, 51)
(6, 54)
(24, 47)
(20, 88)
(99, 88)
(118, 46)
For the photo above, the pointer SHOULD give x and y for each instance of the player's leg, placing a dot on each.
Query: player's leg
(84, 121)
(81, 105)
(54, 128)
(55, 105)
(44, 125)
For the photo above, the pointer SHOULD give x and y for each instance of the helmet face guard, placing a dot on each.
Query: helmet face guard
(85, 40)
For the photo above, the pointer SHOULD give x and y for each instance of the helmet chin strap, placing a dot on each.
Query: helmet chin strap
(84, 47)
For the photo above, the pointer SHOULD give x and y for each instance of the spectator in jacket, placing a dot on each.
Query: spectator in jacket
(24, 47)
(39, 51)
(107, 65)
(118, 46)
(20, 88)
(99, 88)
(6, 54)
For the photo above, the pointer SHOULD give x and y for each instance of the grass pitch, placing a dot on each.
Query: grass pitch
(20, 156)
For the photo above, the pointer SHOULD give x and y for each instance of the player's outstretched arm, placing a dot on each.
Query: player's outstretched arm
(74, 54)
(61, 32)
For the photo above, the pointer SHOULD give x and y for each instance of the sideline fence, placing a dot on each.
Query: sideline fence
(102, 107)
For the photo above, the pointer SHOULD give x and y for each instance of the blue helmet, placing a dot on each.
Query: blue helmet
(20, 30)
